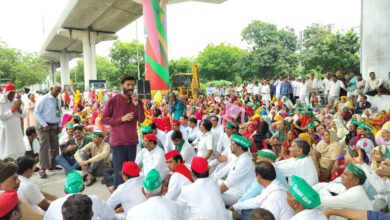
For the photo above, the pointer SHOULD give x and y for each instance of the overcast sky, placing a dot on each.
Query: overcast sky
(191, 25)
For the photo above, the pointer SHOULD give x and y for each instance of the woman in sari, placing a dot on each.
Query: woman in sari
(327, 152)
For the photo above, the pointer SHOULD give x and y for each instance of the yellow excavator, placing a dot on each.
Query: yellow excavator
(187, 83)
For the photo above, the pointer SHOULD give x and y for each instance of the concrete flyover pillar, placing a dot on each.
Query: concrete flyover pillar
(64, 62)
(375, 38)
(89, 56)
(89, 40)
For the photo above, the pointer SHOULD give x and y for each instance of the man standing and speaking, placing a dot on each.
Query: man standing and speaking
(122, 112)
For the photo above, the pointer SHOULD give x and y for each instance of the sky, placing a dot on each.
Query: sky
(191, 25)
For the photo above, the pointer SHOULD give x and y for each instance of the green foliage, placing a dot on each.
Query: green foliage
(22, 69)
(219, 62)
(181, 65)
(324, 51)
(272, 51)
(105, 70)
(124, 56)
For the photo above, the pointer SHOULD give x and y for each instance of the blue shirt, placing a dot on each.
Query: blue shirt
(372, 215)
(255, 188)
(285, 89)
(48, 110)
(353, 85)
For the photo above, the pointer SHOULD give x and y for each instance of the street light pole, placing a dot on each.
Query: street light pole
(136, 46)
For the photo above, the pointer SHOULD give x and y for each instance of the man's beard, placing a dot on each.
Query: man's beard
(128, 92)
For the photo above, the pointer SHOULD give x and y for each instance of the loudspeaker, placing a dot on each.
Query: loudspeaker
(143, 89)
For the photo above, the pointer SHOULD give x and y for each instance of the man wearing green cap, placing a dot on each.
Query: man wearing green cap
(300, 164)
(240, 174)
(303, 199)
(68, 135)
(156, 206)
(94, 157)
(347, 194)
(74, 185)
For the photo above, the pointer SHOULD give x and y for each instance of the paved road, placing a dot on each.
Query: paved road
(54, 184)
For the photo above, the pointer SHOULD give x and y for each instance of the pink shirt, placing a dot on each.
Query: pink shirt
(122, 133)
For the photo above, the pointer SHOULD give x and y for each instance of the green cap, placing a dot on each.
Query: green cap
(267, 154)
(304, 193)
(146, 129)
(73, 183)
(242, 141)
(69, 126)
(311, 125)
(152, 180)
(98, 133)
(354, 122)
(230, 125)
(364, 126)
(356, 171)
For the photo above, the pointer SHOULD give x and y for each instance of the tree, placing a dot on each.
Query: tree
(105, 70)
(324, 51)
(181, 65)
(22, 69)
(219, 62)
(272, 51)
(124, 56)
(31, 70)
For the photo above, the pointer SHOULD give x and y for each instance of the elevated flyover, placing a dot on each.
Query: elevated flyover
(85, 23)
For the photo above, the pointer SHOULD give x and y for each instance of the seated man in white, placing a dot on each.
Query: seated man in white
(347, 194)
(273, 196)
(202, 199)
(132, 184)
(74, 184)
(181, 175)
(29, 191)
(223, 149)
(300, 164)
(151, 157)
(187, 151)
(156, 206)
(241, 172)
(304, 199)
(193, 130)
(176, 126)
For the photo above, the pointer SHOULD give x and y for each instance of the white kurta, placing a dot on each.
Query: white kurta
(309, 214)
(204, 144)
(239, 178)
(162, 136)
(121, 196)
(203, 199)
(303, 168)
(156, 208)
(273, 198)
(187, 152)
(216, 133)
(99, 208)
(168, 145)
(35, 144)
(30, 193)
(352, 198)
(223, 147)
(193, 133)
(176, 182)
(11, 133)
(154, 159)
